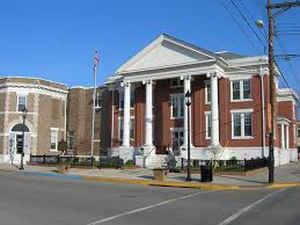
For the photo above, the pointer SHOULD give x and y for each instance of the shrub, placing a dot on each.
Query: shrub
(129, 163)
(62, 146)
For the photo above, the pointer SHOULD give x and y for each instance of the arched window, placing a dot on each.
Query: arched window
(19, 128)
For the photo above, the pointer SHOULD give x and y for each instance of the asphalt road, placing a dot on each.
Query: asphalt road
(35, 200)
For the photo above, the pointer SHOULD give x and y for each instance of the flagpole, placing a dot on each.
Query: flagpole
(93, 110)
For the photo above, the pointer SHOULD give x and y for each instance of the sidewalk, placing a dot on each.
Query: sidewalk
(286, 175)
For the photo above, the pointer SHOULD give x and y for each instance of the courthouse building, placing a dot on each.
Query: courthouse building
(229, 110)
(141, 112)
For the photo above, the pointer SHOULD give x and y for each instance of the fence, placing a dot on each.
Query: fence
(233, 164)
(77, 161)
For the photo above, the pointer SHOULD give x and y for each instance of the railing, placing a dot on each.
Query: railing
(232, 165)
(75, 161)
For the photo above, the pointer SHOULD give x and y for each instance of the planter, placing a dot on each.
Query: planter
(160, 174)
(63, 168)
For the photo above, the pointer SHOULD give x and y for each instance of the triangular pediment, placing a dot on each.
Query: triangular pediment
(164, 52)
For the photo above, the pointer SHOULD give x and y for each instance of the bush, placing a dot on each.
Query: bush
(113, 162)
(62, 146)
(130, 163)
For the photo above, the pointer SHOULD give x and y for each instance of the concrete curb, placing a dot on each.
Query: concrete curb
(174, 184)
(202, 186)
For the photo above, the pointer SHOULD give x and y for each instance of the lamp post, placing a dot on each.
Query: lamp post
(188, 104)
(24, 111)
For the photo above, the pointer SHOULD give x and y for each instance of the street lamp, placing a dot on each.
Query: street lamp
(188, 104)
(24, 114)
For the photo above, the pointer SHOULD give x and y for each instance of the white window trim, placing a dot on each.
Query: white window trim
(21, 95)
(171, 109)
(56, 145)
(242, 111)
(178, 81)
(207, 113)
(242, 99)
(207, 82)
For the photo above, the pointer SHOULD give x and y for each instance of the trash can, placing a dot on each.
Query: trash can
(206, 174)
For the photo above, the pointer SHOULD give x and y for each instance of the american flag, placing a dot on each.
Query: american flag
(96, 60)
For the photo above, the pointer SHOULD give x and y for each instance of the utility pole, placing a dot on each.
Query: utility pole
(273, 92)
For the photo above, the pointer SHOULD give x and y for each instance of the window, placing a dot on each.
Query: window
(98, 101)
(132, 98)
(176, 82)
(242, 124)
(207, 125)
(240, 90)
(177, 106)
(298, 132)
(132, 128)
(121, 98)
(21, 103)
(207, 93)
(53, 139)
(121, 129)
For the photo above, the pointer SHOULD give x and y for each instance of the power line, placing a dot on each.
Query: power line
(288, 62)
(262, 31)
(240, 26)
(247, 22)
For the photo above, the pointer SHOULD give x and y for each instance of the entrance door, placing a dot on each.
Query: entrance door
(15, 137)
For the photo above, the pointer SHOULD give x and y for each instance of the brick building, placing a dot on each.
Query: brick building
(79, 121)
(229, 112)
(45, 121)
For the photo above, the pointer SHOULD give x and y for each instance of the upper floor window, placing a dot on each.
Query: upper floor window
(121, 98)
(177, 106)
(240, 90)
(241, 124)
(176, 82)
(207, 93)
(21, 103)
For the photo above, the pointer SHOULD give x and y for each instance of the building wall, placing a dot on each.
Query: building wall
(80, 102)
(45, 104)
(163, 123)
(51, 115)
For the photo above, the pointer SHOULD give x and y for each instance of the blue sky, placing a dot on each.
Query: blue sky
(56, 39)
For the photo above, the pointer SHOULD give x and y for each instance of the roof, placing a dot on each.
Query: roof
(229, 55)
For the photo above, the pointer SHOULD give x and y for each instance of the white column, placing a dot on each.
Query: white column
(149, 115)
(282, 137)
(214, 110)
(187, 88)
(287, 136)
(126, 118)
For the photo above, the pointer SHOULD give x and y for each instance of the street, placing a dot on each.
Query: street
(37, 200)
